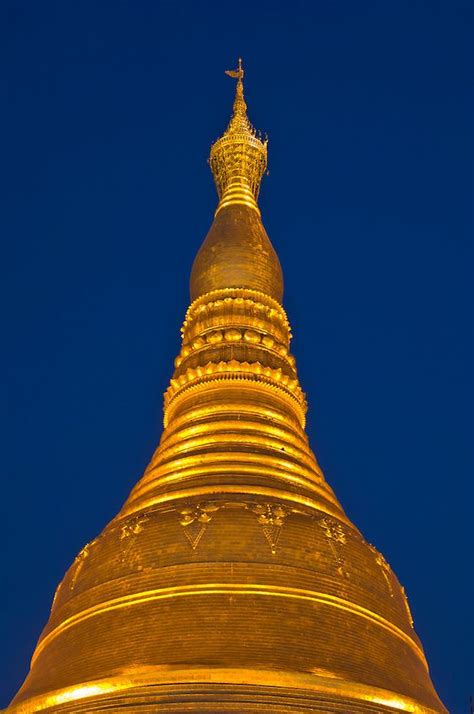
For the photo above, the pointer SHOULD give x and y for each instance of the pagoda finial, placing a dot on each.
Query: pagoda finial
(236, 73)
(239, 118)
(239, 158)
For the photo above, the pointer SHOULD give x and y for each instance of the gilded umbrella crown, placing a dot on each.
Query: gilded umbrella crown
(238, 159)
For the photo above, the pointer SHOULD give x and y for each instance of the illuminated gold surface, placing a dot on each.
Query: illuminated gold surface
(231, 580)
(307, 691)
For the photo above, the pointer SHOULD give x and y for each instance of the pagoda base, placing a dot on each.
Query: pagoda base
(219, 690)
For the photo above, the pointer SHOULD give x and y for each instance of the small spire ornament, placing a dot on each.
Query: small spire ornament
(238, 159)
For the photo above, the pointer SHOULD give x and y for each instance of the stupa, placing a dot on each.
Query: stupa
(231, 580)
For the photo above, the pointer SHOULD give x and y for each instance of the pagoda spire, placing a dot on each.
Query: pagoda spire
(239, 121)
(238, 159)
(237, 252)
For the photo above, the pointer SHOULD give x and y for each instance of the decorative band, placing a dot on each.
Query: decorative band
(229, 589)
(322, 686)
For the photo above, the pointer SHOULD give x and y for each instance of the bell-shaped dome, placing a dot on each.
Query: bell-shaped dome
(237, 253)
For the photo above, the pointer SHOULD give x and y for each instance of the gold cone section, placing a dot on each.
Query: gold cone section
(232, 580)
(237, 253)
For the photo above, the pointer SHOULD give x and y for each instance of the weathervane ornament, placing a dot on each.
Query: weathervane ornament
(236, 73)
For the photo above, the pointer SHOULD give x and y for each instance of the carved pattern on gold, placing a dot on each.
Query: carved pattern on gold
(236, 316)
(407, 607)
(233, 335)
(195, 519)
(259, 304)
(333, 530)
(230, 317)
(128, 533)
(271, 517)
(230, 368)
(336, 537)
(133, 527)
(79, 562)
(385, 569)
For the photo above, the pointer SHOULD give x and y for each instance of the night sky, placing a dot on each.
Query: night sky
(108, 113)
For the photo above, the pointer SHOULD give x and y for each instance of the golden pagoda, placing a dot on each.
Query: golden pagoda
(231, 580)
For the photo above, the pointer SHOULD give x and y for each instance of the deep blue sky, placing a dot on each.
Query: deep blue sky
(108, 110)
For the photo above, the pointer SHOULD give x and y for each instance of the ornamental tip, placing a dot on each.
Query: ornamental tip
(236, 73)
(239, 120)
(239, 158)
